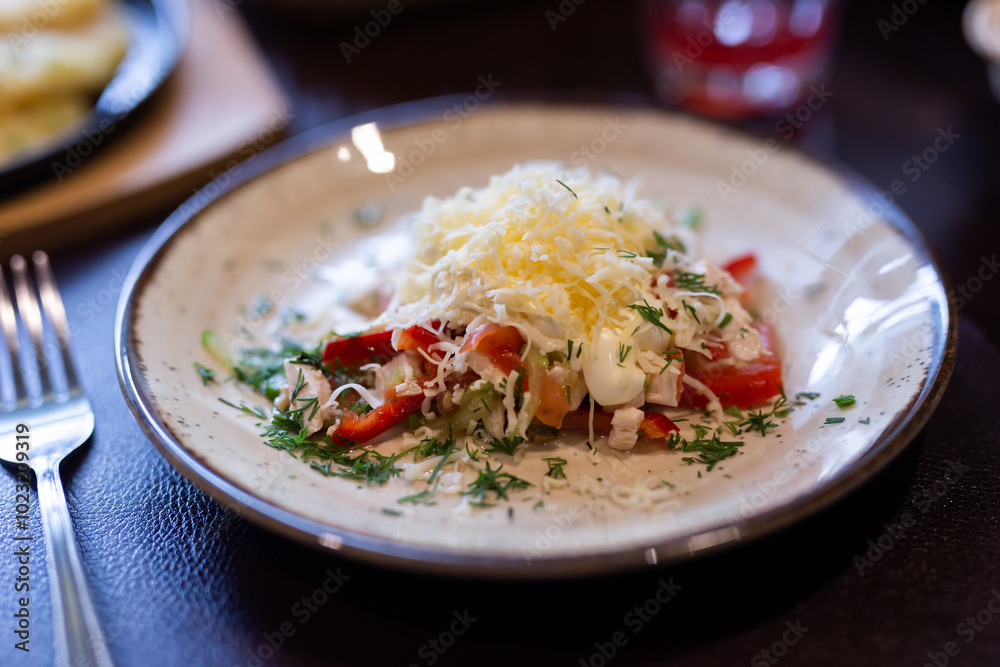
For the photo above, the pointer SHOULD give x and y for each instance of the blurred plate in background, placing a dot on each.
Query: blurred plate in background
(157, 32)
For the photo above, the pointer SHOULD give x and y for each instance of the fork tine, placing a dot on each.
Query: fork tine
(27, 306)
(8, 322)
(52, 304)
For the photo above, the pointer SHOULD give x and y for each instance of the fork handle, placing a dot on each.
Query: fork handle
(77, 629)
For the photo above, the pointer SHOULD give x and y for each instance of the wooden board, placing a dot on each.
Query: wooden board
(222, 105)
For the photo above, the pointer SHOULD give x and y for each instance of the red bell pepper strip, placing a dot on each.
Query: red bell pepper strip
(359, 349)
(418, 338)
(358, 429)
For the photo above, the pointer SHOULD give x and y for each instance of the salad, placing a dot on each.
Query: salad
(553, 300)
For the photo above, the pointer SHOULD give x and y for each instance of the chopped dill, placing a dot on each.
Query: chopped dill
(431, 447)
(844, 400)
(445, 453)
(206, 374)
(505, 445)
(695, 282)
(425, 497)
(623, 352)
(651, 314)
(369, 466)
(555, 468)
(567, 187)
(257, 411)
(663, 246)
(733, 427)
(495, 481)
(759, 422)
(726, 320)
(691, 310)
(710, 451)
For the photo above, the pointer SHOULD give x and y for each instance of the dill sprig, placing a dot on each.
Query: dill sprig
(431, 447)
(425, 497)
(505, 445)
(691, 310)
(206, 374)
(663, 246)
(710, 451)
(256, 411)
(695, 282)
(447, 448)
(369, 466)
(761, 421)
(494, 481)
(623, 352)
(651, 314)
(555, 468)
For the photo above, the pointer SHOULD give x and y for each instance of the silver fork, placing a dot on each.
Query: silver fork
(38, 429)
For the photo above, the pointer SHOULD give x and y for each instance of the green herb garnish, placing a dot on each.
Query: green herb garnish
(844, 400)
(507, 445)
(690, 309)
(623, 352)
(710, 450)
(206, 374)
(494, 481)
(567, 187)
(555, 468)
(651, 314)
(422, 498)
(695, 282)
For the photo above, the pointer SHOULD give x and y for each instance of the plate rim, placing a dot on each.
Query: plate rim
(453, 562)
(26, 170)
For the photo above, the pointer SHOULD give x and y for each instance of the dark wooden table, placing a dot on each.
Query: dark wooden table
(904, 571)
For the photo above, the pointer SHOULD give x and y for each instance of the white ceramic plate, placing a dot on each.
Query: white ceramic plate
(858, 302)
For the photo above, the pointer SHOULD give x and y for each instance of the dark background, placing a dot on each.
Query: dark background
(179, 581)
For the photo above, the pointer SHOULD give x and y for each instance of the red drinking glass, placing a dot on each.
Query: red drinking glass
(736, 58)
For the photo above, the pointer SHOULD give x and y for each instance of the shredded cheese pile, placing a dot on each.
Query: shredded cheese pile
(557, 252)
